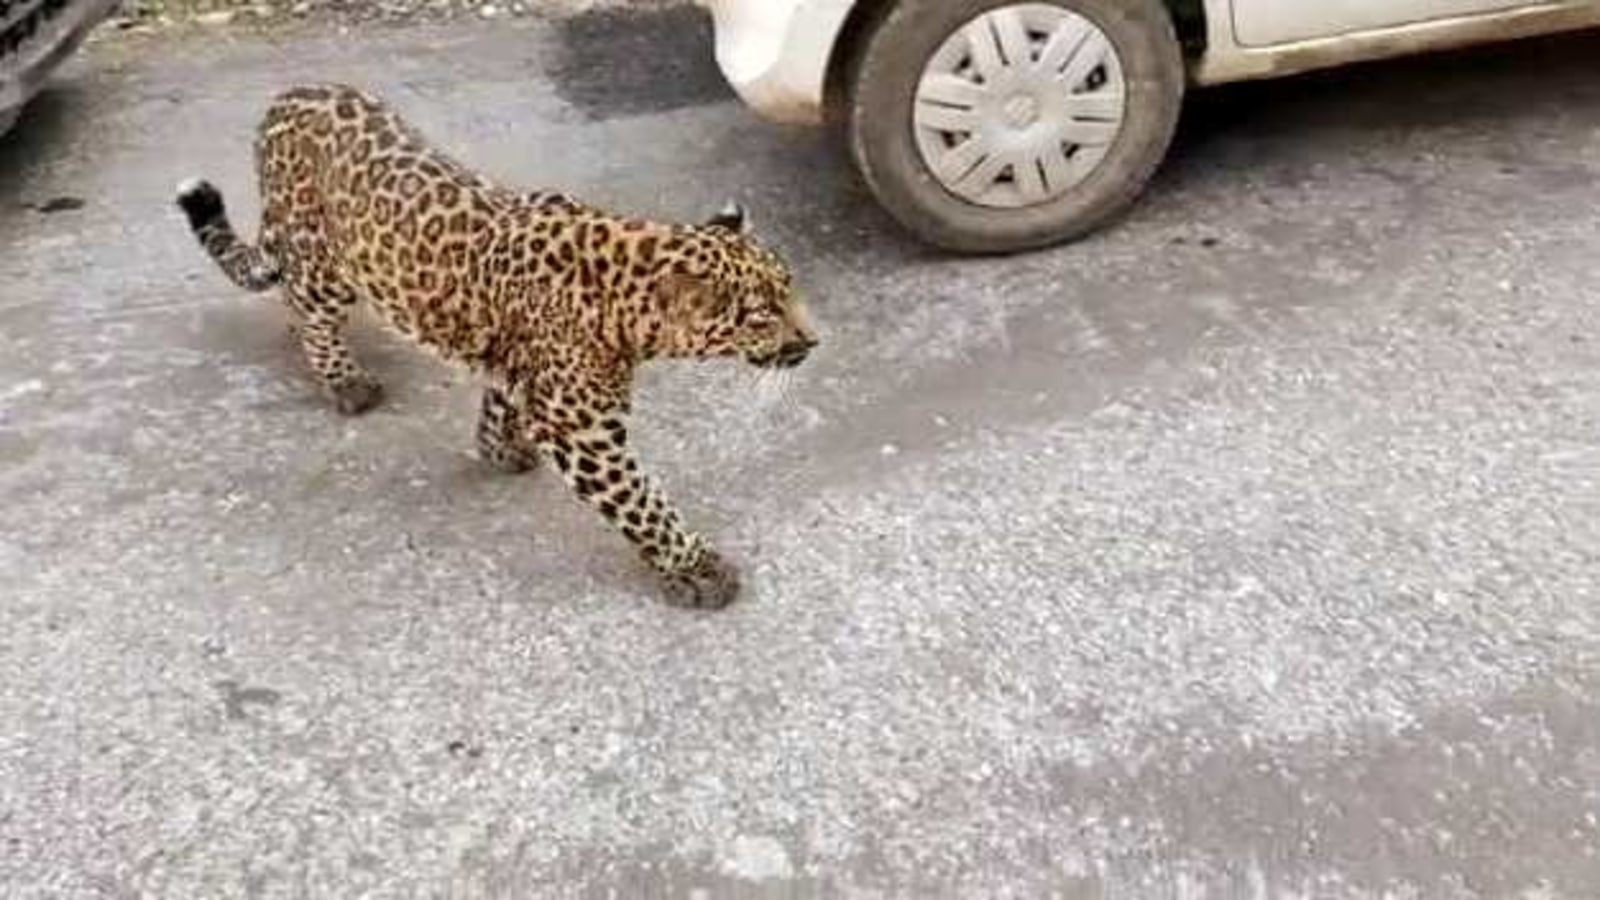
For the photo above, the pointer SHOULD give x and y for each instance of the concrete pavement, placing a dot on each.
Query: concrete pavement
(1249, 549)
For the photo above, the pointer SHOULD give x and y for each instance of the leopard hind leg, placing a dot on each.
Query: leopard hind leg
(322, 305)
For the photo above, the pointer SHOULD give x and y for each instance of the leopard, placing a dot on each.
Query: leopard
(553, 304)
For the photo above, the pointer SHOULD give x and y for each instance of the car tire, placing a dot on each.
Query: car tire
(883, 135)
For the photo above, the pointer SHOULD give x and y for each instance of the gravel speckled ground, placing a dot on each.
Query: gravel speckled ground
(160, 15)
(1246, 550)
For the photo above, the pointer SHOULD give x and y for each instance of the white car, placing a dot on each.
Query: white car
(999, 125)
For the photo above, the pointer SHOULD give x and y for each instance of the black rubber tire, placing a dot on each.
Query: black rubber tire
(882, 89)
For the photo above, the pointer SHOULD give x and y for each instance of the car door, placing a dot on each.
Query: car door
(1263, 23)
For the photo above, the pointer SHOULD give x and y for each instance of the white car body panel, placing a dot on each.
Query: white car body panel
(1263, 23)
(1226, 59)
(776, 53)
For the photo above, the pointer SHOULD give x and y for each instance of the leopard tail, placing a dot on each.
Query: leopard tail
(246, 265)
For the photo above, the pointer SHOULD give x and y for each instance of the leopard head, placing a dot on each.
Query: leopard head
(731, 296)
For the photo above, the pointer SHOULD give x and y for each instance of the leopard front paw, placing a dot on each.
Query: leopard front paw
(357, 395)
(712, 583)
(510, 460)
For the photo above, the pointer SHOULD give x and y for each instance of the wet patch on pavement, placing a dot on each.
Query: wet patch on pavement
(56, 205)
(615, 63)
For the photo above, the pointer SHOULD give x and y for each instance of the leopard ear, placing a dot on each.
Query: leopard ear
(681, 292)
(731, 217)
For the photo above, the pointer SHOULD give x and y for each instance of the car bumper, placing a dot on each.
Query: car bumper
(35, 37)
(775, 53)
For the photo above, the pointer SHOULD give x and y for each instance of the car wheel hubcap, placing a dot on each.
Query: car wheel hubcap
(1019, 105)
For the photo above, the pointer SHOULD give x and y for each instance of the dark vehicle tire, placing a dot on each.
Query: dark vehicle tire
(992, 126)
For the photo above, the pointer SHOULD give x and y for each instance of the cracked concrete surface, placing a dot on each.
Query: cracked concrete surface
(1248, 549)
